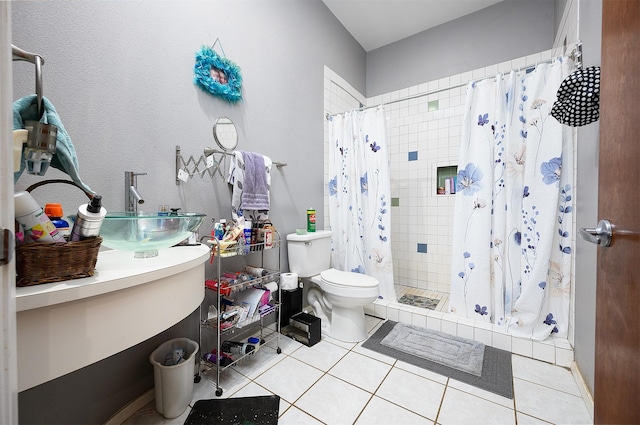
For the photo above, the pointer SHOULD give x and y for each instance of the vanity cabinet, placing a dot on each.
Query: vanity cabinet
(245, 314)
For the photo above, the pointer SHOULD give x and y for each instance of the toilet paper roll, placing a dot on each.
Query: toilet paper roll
(288, 281)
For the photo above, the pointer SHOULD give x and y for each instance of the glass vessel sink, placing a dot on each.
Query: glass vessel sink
(145, 233)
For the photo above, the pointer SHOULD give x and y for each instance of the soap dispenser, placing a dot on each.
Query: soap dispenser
(89, 219)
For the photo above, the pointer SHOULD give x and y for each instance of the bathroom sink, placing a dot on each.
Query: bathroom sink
(145, 233)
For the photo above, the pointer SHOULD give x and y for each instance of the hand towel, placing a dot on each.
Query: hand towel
(65, 159)
(255, 190)
(236, 178)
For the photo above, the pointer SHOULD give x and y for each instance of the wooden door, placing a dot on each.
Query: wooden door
(617, 356)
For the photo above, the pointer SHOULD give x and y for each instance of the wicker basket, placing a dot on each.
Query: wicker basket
(44, 262)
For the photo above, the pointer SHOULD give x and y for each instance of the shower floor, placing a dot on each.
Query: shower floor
(424, 298)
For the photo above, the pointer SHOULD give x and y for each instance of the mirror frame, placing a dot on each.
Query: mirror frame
(217, 75)
(225, 144)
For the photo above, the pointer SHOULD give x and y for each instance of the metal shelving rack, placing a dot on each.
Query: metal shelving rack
(246, 327)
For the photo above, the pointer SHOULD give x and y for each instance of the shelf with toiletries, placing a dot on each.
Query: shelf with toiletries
(245, 310)
(446, 179)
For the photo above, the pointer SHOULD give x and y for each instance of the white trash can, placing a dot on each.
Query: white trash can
(174, 381)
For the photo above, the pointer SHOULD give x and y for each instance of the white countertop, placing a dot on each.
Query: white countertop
(114, 270)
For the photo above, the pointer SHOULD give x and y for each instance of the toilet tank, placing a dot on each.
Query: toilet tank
(309, 254)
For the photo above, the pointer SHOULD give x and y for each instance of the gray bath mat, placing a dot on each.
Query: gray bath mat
(496, 377)
(448, 350)
(419, 301)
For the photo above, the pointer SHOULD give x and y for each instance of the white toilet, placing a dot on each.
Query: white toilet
(342, 296)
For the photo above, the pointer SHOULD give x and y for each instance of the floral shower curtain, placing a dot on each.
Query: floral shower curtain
(512, 235)
(360, 196)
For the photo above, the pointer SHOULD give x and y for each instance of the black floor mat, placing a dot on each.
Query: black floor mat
(260, 410)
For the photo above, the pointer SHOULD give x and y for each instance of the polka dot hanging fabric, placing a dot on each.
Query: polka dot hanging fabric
(578, 101)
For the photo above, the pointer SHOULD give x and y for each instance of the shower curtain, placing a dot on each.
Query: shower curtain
(360, 196)
(511, 262)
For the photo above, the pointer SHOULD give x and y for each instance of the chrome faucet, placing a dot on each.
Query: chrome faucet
(132, 197)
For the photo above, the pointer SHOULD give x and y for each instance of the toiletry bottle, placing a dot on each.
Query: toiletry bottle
(55, 214)
(311, 220)
(235, 347)
(223, 225)
(36, 223)
(247, 236)
(218, 231)
(88, 220)
(256, 271)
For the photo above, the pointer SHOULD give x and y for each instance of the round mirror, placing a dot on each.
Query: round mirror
(225, 133)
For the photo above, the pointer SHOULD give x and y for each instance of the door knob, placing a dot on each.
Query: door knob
(601, 235)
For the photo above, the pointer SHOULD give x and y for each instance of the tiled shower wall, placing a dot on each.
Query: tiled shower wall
(424, 125)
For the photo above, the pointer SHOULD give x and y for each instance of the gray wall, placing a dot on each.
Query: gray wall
(587, 204)
(120, 75)
(506, 30)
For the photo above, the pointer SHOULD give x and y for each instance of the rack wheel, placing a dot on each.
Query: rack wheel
(197, 378)
(278, 350)
(218, 392)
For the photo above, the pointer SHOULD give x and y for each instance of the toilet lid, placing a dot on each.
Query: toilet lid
(340, 278)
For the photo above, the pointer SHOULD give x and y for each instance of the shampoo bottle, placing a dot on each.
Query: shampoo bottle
(89, 219)
(36, 223)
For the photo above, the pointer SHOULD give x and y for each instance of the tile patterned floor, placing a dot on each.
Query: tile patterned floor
(338, 383)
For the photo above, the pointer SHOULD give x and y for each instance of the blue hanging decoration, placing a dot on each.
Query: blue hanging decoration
(217, 75)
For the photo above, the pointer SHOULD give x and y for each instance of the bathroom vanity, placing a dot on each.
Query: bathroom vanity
(65, 326)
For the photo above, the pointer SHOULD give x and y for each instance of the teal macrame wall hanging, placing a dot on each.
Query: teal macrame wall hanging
(217, 75)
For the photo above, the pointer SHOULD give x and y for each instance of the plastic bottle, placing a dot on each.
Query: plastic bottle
(89, 219)
(247, 236)
(218, 231)
(235, 347)
(55, 214)
(256, 271)
(37, 225)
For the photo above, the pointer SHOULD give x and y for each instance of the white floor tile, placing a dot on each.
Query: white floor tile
(373, 354)
(258, 362)
(413, 392)
(295, 416)
(361, 371)
(382, 412)
(324, 355)
(479, 392)
(336, 382)
(529, 420)
(230, 382)
(462, 408)
(333, 401)
(253, 390)
(546, 374)
(149, 416)
(549, 405)
(287, 345)
(289, 378)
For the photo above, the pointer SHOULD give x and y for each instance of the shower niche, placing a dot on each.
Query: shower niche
(446, 179)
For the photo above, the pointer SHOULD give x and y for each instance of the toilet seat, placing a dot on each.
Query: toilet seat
(340, 278)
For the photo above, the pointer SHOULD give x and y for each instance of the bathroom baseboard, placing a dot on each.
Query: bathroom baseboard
(130, 409)
(582, 387)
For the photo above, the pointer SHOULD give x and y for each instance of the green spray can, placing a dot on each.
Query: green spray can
(311, 220)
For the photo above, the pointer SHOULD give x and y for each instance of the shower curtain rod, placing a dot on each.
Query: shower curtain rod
(576, 55)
